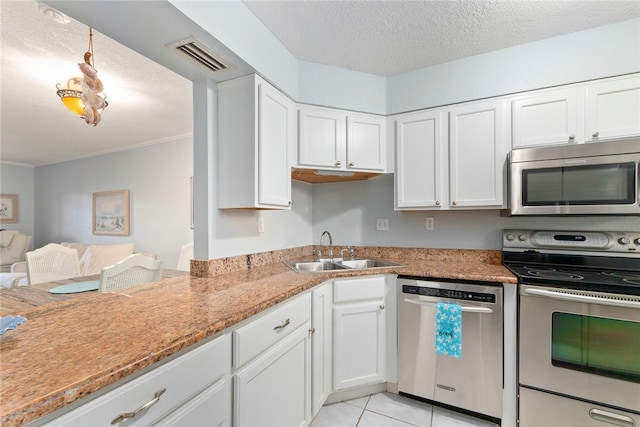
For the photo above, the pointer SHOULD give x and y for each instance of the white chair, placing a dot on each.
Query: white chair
(52, 262)
(186, 254)
(134, 270)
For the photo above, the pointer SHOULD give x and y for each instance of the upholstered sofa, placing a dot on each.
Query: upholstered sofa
(92, 259)
(13, 245)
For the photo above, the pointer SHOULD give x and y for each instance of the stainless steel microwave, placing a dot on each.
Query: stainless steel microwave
(596, 178)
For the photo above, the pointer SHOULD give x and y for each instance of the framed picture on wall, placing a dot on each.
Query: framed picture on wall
(8, 208)
(111, 213)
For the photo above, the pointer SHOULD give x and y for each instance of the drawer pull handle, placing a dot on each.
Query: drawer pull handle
(312, 330)
(282, 325)
(149, 404)
(381, 306)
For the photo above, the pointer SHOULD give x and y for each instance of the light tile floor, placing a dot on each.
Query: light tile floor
(391, 410)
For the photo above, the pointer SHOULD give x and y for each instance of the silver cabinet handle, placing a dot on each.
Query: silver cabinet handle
(352, 164)
(454, 203)
(596, 134)
(464, 308)
(282, 325)
(149, 404)
(572, 137)
(338, 162)
(312, 330)
(437, 202)
(290, 202)
(381, 306)
(611, 418)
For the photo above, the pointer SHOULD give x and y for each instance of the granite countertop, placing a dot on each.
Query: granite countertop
(67, 350)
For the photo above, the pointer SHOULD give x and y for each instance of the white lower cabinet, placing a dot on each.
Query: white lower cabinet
(196, 390)
(359, 332)
(274, 388)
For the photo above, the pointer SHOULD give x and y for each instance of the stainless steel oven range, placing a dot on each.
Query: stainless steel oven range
(579, 326)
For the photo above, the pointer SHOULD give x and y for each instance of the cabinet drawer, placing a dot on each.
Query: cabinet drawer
(212, 407)
(259, 335)
(181, 378)
(359, 289)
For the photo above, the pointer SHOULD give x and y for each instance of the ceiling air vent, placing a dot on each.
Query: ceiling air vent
(196, 51)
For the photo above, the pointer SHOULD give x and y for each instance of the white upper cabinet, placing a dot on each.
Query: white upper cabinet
(256, 125)
(548, 118)
(366, 142)
(478, 148)
(340, 140)
(421, 157)
(613, 108)
(321, 139)
(578, 113)
(452, 158)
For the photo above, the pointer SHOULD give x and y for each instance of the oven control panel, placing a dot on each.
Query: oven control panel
(595, 241)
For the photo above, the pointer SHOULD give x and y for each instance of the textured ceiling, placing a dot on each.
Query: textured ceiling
(392, 37)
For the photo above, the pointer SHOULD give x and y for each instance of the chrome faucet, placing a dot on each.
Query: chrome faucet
(330, 252)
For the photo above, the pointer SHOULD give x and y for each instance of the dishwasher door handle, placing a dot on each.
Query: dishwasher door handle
(465, 308)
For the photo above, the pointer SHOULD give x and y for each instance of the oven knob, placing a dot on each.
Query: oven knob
(624, 241)
(522, 237)
(511, 237)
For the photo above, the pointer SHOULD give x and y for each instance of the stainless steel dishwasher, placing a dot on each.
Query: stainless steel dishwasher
(472, 383)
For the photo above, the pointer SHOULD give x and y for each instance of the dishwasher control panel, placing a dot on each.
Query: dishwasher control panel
(449, 294)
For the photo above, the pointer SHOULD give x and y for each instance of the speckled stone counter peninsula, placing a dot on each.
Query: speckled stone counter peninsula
(67, 350)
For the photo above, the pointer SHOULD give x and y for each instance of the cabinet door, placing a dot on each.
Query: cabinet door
(366, 142)
(613, 108)
(548, 118)
(275, 389)
(276, 130)
(420, 174)
(478, 147)
(321, 138)
(358, 344)
(321, 347)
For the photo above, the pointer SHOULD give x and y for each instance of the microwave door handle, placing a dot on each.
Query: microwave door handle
(581, 298)
(465, 308)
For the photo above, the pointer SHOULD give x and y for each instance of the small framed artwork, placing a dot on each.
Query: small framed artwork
(8, 208)
(111, 213)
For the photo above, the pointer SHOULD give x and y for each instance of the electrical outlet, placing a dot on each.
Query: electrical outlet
(260, 224)
(382, 224)
(430, 223)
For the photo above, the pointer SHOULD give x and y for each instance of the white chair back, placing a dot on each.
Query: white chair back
(134, 270)
(186, 254)
(52, 262)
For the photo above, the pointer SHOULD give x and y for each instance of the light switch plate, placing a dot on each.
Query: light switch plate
(430, 223)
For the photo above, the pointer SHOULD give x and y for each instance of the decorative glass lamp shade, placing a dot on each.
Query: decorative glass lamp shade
(71, 96)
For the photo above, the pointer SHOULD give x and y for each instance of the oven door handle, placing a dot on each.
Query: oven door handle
(611, 418)
(465, 308)
(582, 298)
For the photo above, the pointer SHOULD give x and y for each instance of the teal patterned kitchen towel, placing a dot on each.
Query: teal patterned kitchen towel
(449, 329)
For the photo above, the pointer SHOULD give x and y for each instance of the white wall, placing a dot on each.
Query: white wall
(349, 212)
(236, 231)
(19, 179)
(158, 180)
(585, 55)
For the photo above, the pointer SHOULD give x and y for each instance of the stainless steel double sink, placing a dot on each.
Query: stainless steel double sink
(337, 265)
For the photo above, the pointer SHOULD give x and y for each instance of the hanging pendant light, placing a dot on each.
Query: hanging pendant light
(83, 95)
